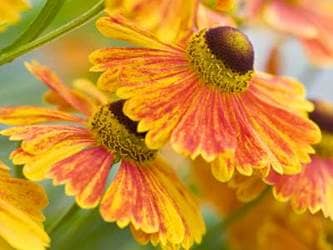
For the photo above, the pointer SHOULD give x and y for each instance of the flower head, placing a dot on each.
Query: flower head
(312, 188)
(309, 22)
(206, 98)
(10, 11)
(21, 218)
(145, 192)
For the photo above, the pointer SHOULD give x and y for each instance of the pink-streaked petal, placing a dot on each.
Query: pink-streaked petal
(151, 198)
(84, 174)
(54, 83)
(40, 138)
(291, 19)
(311, 189)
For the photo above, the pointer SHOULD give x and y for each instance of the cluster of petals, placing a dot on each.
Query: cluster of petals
(170, 21)
(311, 23)
(269, 224)
(21, 218)
(148, 196)
(263, 128)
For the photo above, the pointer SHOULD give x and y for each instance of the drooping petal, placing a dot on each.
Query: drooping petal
(54, 83)
(25, 115)
(38, 139)
(84, 174)
(21, 204)
(311, 189)
(44, 145)
(151, 198)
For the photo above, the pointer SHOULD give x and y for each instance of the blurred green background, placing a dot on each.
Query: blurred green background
(71, 228)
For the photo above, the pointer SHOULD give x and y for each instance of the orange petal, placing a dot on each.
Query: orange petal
(151, 198)
(38, 139)
(53, 82)
(310, 189)
(291, 19)
(37, 168)
(319, 52)
(117, 27)
(25, 115)
(84, 174)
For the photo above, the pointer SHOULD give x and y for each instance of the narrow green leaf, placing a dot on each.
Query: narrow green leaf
(72, 25)
(41, 22)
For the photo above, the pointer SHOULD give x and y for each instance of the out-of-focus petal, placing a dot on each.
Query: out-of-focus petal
(21, 204)
(10, 12)
(118, 27)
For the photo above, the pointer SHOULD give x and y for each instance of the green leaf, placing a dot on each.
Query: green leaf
(10, 55)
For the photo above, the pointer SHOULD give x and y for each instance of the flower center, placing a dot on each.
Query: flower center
(323, 116)
(223, 57)
(114, 130)
(325, 147)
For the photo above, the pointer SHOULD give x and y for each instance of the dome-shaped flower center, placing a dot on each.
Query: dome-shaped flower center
(323, 116)
(223, 57)
(118, 133)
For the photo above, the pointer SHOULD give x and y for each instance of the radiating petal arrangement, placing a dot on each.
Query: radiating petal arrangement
(244, 130)
(145, 193)
(176, 134)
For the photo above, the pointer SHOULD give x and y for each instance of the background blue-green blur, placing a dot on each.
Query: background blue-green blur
(70, 228)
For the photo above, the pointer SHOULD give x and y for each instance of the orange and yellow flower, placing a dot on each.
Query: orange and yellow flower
(205, 98)
(313, 188)
(170, 21)
(145, 193)
(10, 12)
(311, 23)
(21, 218)
(266, 223)
(274, 226)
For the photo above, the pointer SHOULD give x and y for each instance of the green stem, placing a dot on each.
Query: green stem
(244, 210)
(71, 211)
(74, 24)
(214, 236)
(41, 22)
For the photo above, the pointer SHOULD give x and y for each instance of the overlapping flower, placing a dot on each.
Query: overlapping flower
(205, 98)
(145, 193)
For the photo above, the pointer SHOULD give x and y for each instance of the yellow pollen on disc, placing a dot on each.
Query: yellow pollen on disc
(229, 69)
(325, 147)
(111, 132)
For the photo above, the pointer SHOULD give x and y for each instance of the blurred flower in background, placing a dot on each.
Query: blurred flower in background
(21, 218)
(310, 23)
(10, 12)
